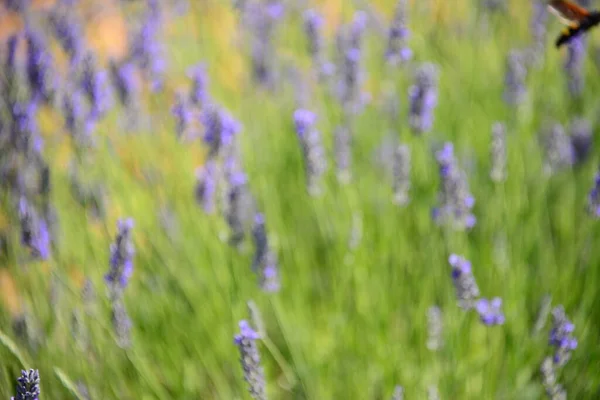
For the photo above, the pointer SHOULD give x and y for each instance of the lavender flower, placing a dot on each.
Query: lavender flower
(199, 94)
(498, 152)
(262, 19)
(490, 311)
(183, 114)
(121, 322)
(343, 153)
(125, 79)
(68, 33)
(434, 328)
(538, 30)
(77, 121)
(147, 50)
(206, 183)
(397, 51)
(95, 84)
(25, 135)
(121, 256)
(558, 150)
(236, 206)
(423, 98)
(561, 336)
(357, 29)
(250, 360)
(398, 393)
(455, 199)
(581, 139)
(28, 386)
(554, 390)
(401, 171)
(574, 65)
(265, 260)
(312, 148)
(515, 90)
(34, 231)
(220, 129)
(594, 197)
(39, 66)
(313, 22)
(466, 288)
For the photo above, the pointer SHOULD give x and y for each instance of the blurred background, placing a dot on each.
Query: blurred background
(206, 199)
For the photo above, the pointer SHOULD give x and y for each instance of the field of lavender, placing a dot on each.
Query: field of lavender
(297, 200)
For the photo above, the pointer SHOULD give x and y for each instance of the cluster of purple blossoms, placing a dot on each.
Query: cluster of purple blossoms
(423, 98)
(147, 50)
(581, 139)
(183, 114)
(77, 119)
(554, 390)
(313, 22)
(312, 149)
(594, 197)
(206, 184)
(199, 95)
(95, 84)
(401, 174)
(69, 34)
(28, 385)
(39, 67)
(220, 129)
(250, 359)
(398, 393)
(455, 200)
(25, 135)
(261, 18)
(34, 231)
(265, 259)
(498, 152)
(538, 30)
(574, 65)
(561, 336)
(515, 90)
(490, 311)
(124, 76)
(397, 51)
(121, 256)
(558, 150)
(467, 291)
(236, 205)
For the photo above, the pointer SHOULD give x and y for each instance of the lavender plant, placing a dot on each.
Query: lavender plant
(28, 385)
(397, 51)
(423, 98)
(312, 149)
(250, 360)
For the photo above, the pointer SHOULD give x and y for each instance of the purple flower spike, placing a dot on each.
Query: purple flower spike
(34, 231)
(39, 66)
(594, 197)
(96, 85)
(397, 51)
(574, 65)
(183, 114)
(466, 288)
(206, 183)
(312, 149)
(490, 312)
(515, 90)
(561, 336)
(265, 260)
(69, 34)
(250, 360)
(455, 199)
(423, 98)
(121, 256)
(28, 385)
(220, 129)
(304, 120)
(199, 94)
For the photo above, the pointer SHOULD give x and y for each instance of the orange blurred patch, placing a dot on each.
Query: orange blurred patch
(106, 33)
(8, 292)
(332, 12)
